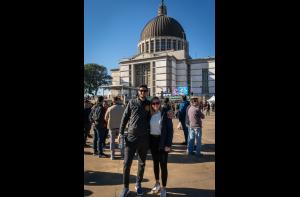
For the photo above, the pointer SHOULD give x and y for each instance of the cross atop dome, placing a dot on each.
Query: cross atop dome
(162, 10)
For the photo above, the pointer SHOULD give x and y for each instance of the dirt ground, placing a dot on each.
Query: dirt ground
(188, 175)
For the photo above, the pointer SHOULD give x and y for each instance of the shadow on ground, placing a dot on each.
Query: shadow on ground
(87, 153)
(87, 192)
(183, 158)
(178, 154)
(191, 192)
(93, 178)
(208, 147)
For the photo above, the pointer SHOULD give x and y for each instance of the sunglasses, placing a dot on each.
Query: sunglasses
(155, 103)
(143, 90)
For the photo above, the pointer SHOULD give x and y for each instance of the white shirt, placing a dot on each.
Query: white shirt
(155, 124)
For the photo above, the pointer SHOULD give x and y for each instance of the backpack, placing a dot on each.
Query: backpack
(182, 109)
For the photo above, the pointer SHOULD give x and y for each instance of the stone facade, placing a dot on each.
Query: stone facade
(163, 63)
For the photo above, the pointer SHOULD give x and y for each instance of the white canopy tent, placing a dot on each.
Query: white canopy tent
(212, 99)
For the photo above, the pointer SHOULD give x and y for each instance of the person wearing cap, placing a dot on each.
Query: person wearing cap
(113, 117)
(194, 123)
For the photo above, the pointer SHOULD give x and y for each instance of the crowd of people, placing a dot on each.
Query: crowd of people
(141, 125)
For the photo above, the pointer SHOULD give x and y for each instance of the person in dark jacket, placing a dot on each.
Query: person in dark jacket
(161, 136)
(97, 118)
(87, 124)
(181, 115)
(137, 115)
(207, 109)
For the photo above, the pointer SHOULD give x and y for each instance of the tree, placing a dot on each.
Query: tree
(95, 76)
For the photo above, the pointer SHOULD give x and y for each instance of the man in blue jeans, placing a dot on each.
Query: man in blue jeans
(182, 117)
(97, 118)
(194, 122)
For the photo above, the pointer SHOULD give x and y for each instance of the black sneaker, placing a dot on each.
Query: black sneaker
(199, 155)
(102, 155)
(124, 192)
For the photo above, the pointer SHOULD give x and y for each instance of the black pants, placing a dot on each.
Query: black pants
(185, 130)
(159, 157)
(139, 145)
(87, 128)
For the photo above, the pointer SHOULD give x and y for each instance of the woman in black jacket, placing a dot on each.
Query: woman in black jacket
(161, 136)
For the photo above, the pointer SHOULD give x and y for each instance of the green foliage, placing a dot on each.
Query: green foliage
(95, 76)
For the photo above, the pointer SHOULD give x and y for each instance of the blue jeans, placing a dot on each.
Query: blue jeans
(194, 133)
(99, 134)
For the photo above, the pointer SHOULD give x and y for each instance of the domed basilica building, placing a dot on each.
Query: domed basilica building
(163, 63)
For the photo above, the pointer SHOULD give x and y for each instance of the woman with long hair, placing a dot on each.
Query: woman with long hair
(161, 136)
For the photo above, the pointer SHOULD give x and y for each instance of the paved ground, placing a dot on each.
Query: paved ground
(188, 176)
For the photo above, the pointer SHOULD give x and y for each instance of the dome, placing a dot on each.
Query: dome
(162, 25)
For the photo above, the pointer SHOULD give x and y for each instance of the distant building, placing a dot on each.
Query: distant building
(163, 63)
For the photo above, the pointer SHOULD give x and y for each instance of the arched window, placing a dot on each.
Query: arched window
(157, 45)
(163, 44)
(174, 45)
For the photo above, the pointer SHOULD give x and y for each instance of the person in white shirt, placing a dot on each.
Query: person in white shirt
(161, 136)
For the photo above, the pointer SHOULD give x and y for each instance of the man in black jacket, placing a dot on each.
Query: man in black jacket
(97, 118)
(137, 114)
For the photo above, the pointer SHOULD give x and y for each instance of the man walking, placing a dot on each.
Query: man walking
(137, 113)
(182, 115)
(113, 117)
(97, 118)
(194, 122)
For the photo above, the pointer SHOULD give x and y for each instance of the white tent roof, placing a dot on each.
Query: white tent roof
(212, 99)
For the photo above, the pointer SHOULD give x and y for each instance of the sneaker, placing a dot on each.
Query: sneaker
(163, 192)
(124, 192)
(95, 153)
(199, 155)
(102, 155)
(139, 190)
(190, 153)
(156, 188)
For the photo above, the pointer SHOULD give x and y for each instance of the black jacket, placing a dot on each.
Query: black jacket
(99, 122)
(137, 115)
(166, 136)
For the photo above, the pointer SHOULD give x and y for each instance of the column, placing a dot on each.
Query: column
(133, 75)
(151, 79)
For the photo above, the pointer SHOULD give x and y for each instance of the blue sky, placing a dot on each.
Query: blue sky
(112, 28)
